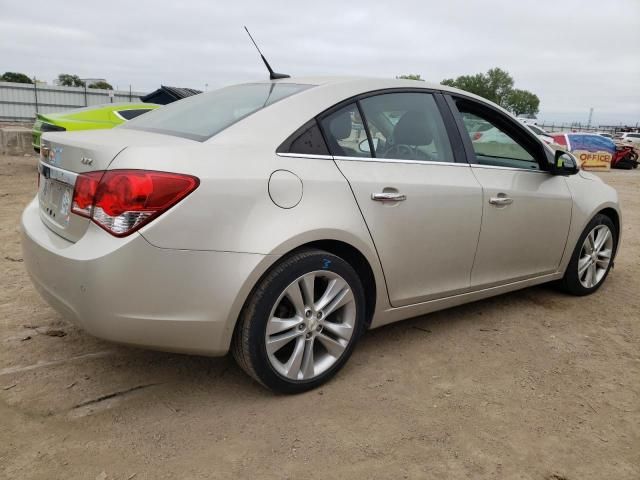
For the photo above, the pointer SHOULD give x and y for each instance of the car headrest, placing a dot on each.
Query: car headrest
(413, 129)
(340, 125)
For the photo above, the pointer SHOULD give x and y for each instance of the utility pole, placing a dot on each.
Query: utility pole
(590, 116)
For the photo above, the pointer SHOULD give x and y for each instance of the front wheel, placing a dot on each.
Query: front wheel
(592, 258)
(301, 323)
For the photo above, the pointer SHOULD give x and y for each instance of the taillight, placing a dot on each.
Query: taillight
(84, 193)
(122, 201)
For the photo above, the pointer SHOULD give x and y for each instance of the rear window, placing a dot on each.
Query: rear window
(202, 116)
(133, 113)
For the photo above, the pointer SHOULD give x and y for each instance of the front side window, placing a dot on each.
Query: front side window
(202, 116)
(407, 126)
(491, 142)
(345, 133)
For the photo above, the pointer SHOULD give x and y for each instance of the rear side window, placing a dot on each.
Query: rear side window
(202, 116)
(307, 140)
(345, 133)
(407, 126)
(133, 113)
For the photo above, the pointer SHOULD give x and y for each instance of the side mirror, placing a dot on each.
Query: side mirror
(564, 164)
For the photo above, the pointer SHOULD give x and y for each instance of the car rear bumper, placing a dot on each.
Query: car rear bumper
(128, 291)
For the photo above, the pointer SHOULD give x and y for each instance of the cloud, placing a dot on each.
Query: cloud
(575, 54)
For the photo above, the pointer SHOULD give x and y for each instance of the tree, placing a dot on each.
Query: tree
(15, 77)
(102, 85)
(477, 84)
(497, 85)
(522, 102)
(411, 76)
(68, 80)
(500, 84)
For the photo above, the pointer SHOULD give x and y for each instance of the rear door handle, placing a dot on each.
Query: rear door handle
(388, 197)
(499, 201)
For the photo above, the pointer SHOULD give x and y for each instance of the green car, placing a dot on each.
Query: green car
(88, 118)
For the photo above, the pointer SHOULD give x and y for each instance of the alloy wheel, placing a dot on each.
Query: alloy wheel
(310, 325)
(595, 256)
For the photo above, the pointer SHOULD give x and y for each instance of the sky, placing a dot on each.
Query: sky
(574, 54)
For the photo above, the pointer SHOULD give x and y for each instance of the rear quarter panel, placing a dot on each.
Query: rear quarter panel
(232, 210)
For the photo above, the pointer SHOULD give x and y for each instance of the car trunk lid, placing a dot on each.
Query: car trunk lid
(64, 156)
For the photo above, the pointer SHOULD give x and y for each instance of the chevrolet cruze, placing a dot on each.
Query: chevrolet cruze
(281, 219)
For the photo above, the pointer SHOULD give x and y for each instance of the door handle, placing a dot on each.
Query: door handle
(499, 201)
(388, 197)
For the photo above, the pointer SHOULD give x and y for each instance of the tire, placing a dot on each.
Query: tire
(575, 281)
(278, 326)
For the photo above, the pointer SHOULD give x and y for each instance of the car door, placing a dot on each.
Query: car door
(422, 207)
(526, 211)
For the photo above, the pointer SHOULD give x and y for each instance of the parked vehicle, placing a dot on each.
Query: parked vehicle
(250, 219)
(630, 137)
(88, 118)
(593, 151)
(625, 157)
(541, 133)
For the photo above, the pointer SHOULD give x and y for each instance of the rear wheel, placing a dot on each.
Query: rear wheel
(592, 258)
(301, 323)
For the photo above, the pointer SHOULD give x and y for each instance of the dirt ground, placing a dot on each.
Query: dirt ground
(530, 385)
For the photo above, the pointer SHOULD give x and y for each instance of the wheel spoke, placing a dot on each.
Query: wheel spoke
(589, 244)
(583, 264)
(592, 275)
(603, 236)
(340, 300)
(308, 367)
(295, 295)
(307, 283)
(292, 367)
(334, 348)
(341, 330)
(334, 288)
(606, 253)
(276, 342)
(278, 325)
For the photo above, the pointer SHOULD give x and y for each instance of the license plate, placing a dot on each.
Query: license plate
(55, 200)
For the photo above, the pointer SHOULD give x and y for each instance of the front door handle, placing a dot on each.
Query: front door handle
(500, 200)
(388, 197)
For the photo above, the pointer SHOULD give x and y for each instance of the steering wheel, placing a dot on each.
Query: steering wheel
(402, 150)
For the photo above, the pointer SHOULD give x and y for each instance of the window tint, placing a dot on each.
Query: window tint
(345, 133)
(201, 116)
(309, 142)
(407, 126)
(634, 135)
(491, 143)
(131, 114)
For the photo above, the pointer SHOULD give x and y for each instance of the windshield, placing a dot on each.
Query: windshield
(202, 116)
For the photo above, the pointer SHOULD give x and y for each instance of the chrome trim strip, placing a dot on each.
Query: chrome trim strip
(399, 160)
(58, 174)
(516, 169)
(304, 155)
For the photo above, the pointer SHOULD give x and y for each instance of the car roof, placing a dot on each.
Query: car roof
(283, 117)
(366, 84)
